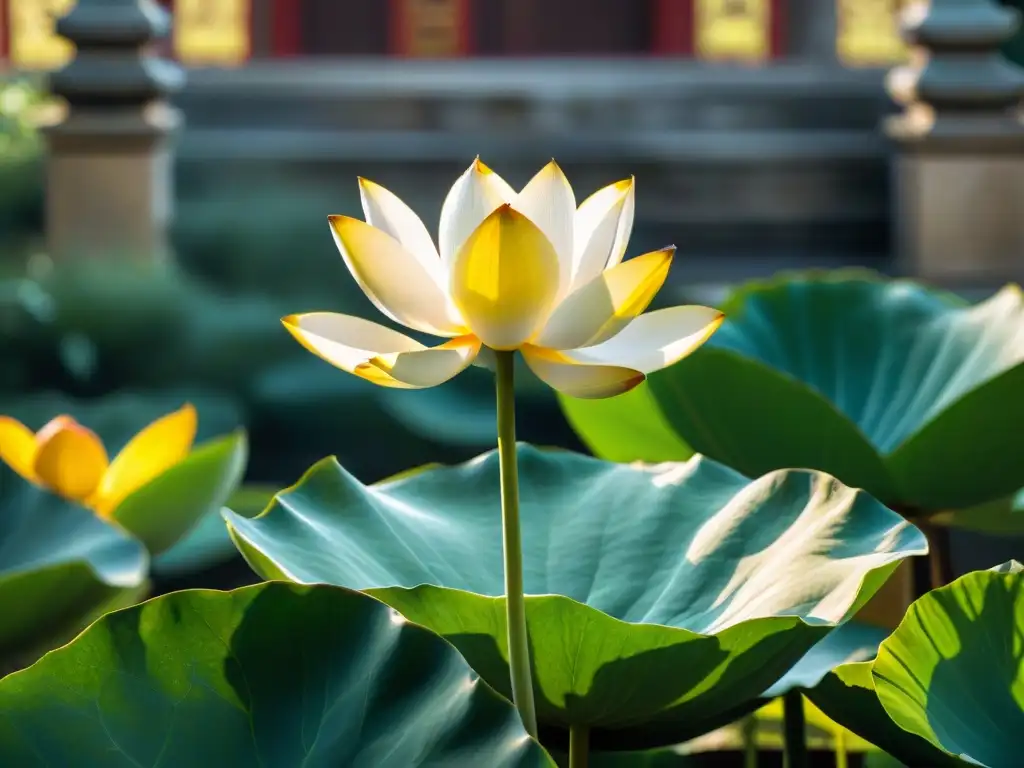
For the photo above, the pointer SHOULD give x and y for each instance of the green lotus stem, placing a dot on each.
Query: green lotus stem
(579, 746)
(794, 747)
(518, 640)
(748, 736)
(842, 760)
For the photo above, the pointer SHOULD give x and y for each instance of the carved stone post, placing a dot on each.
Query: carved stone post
(109, 174)
(959, 164)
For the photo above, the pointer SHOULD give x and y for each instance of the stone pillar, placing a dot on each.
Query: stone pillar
(109, 170)
(959, 146)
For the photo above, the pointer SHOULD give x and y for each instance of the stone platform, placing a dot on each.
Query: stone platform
(777, 163)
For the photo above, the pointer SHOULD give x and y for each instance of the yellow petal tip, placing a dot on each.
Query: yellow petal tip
(480, 166)
(364, 184)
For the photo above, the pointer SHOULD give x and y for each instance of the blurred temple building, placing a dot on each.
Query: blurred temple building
(751, 125)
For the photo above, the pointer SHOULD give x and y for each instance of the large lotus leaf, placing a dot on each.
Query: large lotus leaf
(885, 385)
(274, 675)
(850, 693)
(836, 676)
(58, 564)
(953, 671)
(663, 600)
(166, 509)
(629, 427)
(847, 695)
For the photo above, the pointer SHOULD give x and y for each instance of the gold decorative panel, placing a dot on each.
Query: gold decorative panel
(212, 32)
(34, 42)
(868, 32)
(431, 28)
(738, 30)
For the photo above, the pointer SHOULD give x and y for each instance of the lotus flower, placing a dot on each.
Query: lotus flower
(521, 271)
(69, 460)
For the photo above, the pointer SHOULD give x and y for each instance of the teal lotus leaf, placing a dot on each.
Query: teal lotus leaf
(274, 675)
(58, 564)
(953, 671)
(887, 386)
(661, 599)
(167, 509)
(852, 642)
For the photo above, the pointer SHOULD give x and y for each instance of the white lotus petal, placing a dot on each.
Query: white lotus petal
(548, 201)
(379, 354)
(603, 225)
(655, 340)
(600, 309)
(385, 211)
(475, 195)
(397, 282)
(589, 382)
(430, 367)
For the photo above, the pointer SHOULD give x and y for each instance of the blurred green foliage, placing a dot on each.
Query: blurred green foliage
(210, 324)
(21, 172)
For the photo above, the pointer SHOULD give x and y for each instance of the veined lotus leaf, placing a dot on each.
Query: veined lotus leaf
(887, 386)
(274, 675)
(58, 564)
(847, 695)
(953, 671)
(850, 694)
(662, 600)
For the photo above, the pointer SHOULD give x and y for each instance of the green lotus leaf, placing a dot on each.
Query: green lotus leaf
(274, 675)
(662, 600)
(629, 427)
(165, 510)
(885, 385)
(58, 564)
(847, 695)
(953, 671)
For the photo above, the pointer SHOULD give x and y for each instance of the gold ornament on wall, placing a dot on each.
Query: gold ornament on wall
(733, 30)
(34, 42)
(431, 28)
(868, 32)
(212, 32)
